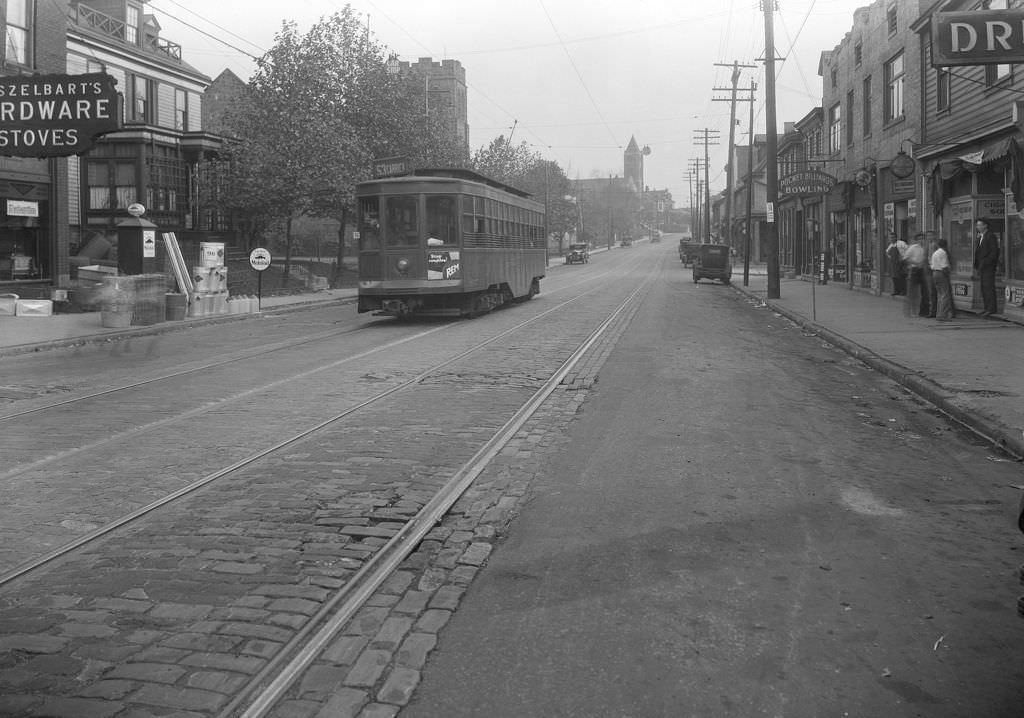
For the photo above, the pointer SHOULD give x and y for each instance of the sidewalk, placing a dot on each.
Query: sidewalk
(20, 335)
(969, 367)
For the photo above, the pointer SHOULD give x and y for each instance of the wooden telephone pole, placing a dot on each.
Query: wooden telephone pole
(710, 138)
(727, 233)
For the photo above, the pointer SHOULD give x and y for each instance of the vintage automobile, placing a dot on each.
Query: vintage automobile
(687, 251)
(713, 261)
(577, 253)
(626, 242)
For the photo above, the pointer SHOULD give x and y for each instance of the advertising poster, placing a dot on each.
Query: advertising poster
(443, 265)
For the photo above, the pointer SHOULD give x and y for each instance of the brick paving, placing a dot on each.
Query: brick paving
(182, 609)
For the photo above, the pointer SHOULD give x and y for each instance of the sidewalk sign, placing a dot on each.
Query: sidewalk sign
(259, 259)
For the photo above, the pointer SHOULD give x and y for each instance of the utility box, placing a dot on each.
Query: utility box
(136, 244)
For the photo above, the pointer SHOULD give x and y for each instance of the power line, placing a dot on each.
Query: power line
(212, 37)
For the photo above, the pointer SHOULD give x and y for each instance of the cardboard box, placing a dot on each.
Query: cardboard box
(33, 308)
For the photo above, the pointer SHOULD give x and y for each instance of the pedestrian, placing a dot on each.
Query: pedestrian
(914, 259)
(894, 253)
(986, 257)
(929, 281)
(943, 290)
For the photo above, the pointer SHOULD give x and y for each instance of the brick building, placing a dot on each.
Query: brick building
(871, 105)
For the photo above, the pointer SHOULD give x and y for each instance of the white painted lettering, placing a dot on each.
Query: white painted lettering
(998, 32)
(956, 29)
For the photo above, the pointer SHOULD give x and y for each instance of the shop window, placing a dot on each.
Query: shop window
(111, 185)
(17, 34)
(166, 184)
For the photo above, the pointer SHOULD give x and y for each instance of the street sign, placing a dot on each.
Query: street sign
(259, 259)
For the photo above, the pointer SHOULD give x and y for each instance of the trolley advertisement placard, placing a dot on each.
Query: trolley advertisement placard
(443, 265)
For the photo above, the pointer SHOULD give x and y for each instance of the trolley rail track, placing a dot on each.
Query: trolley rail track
(150, 425)
(281, 492)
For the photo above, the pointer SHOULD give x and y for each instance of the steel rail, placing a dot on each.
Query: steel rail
(280, 346)
(332, 617)
(108, 528)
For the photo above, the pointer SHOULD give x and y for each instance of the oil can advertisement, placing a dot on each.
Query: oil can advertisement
(443, 265)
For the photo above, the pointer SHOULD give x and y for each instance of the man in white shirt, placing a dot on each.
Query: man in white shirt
(940, 274)
(894, 252)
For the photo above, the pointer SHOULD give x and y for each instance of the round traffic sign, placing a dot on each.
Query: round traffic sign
(259, 258)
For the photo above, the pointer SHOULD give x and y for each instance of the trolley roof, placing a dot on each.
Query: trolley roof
(452, 173)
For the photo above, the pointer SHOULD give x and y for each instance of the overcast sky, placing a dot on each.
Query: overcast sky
(577, 78)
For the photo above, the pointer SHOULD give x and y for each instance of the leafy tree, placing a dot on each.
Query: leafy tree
(320, 107)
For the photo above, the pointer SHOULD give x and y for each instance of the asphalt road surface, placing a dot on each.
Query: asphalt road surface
(745, 522)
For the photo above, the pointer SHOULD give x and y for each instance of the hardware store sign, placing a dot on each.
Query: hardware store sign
(56, 115)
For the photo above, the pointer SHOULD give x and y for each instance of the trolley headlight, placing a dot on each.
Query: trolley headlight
(402, 265)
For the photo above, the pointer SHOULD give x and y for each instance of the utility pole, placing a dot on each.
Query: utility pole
(750, 189)
(732, 139)
(710, 138)
(772, 150)
(696, 165)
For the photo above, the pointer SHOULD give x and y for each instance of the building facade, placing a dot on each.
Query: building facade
(972, 162)
(34, 232)
(871, 114)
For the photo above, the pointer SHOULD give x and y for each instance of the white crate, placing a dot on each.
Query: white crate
(8, 303)
(33, 308)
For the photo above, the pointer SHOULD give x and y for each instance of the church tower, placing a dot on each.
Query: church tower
(633, 166)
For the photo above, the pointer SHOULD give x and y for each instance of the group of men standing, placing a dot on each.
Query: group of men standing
(923, 274)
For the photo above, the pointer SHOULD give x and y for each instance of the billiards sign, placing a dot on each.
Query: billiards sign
(56, 115)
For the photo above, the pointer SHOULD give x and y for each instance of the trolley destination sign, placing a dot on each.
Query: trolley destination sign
(806, 182)
(978, 37)
(56, 115)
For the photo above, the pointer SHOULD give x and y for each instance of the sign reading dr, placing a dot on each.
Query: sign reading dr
(977, 37)
(56, 115)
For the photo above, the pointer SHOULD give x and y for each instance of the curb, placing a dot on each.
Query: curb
(1000, 436)
(165, 327)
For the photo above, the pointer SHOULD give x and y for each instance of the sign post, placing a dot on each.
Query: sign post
(259, 259)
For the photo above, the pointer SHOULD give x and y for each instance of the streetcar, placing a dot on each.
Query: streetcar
(446, 242)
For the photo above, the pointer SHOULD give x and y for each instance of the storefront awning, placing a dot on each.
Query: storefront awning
(971, 158)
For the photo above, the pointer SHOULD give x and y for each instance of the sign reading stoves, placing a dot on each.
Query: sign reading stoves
(56, 115)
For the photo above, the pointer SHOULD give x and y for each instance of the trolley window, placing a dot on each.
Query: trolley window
(369, 223)
(442, 220)
(402, 222)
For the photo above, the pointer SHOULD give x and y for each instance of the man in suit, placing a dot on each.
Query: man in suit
(986, 257)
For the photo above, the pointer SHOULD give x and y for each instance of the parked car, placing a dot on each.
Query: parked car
(578, 253)
(687, 251)
(713, 261)
(626, 242)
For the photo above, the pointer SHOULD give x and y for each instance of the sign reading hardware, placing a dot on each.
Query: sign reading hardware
(807, 182)
(977, 37)
(56, 115)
